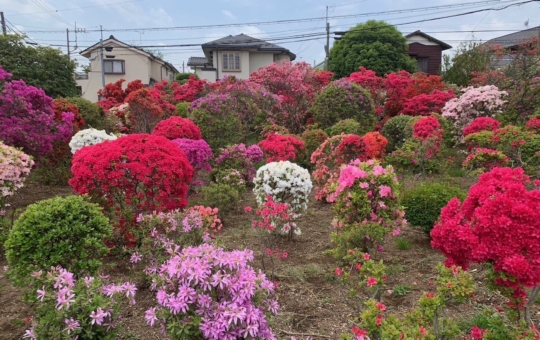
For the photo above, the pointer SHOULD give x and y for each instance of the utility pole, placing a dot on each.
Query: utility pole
(68, 52)
(327, 47)
(101, 57)
(3, 22)
(183, 71)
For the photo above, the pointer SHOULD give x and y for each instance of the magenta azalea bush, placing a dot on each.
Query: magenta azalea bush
(198, 153)
(27, 119)
(366, 206)
(15, 166)
(240, 158)
(207, 292)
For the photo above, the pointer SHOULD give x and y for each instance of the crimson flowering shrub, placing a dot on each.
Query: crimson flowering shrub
(297, 85)
(240, 158)
(190, 91)
(425, 104)
(376, 145)
(27, 118)
(177, 127)
(61, 106)
(144, 111)
(15, 167)
(341, 100)
(533, 125)
(369, 80)
(350, 148)
(481, 124)
(485, 159)
(427, 127)
(366, 206)
(114, 95)
(206, 292)
(281, 148)
(198, 153)
(77, 308)
(497, 224)
(133, 174)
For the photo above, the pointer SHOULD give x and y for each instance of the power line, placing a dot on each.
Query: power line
(77, 8)
(275, 22)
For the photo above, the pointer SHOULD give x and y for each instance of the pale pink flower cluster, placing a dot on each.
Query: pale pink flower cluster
(15, 166)
(484, 101)
(218, 285)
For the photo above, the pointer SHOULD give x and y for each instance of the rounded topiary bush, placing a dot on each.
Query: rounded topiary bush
(61, 231)
(182, 109)
(177, 127)
(394, 131)
(423, 203)
(346, 126)
(341, 100)
(218, 119)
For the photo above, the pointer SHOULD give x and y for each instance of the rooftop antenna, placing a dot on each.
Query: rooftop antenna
(526, 23)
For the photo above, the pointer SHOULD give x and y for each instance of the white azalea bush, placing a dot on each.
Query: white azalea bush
(285, 182)
(88, 137)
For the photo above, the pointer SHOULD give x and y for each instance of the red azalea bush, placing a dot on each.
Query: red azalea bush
(425, 104)
(114, 95)
(352, 147)
(177, 127)
(189, 91)
(297, 84)
(61, 106)
(144, 111)
(376, 145)
(281, 148)
(498, 224)
(533, 125)
(481, 124)
(427, 127)
(133, 174)
(369, 80)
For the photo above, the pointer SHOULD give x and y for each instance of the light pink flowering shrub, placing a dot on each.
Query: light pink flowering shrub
(366, 206)
(484, 101)
(206, 292)
(77, 308)
(15, 166)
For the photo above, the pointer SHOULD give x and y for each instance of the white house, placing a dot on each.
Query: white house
(238, 55)
(120, 61)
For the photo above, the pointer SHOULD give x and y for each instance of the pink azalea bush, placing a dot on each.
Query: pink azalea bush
(27, 118)
(240, 158)
(211, 293)
(77, 308)
(366, 206)
(15, 166)
(475, 102)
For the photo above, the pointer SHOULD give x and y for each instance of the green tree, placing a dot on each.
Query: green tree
(42, 67)
(469, 57)
(375, 45)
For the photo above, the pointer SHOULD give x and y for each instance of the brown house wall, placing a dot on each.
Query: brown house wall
(432, 52)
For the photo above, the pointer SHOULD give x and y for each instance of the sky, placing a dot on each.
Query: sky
(45, 22)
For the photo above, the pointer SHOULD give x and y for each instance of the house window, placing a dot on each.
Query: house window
(422, 64)
(231, 61)
(114, 66)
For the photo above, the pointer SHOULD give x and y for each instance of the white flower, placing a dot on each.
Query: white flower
(88, 137)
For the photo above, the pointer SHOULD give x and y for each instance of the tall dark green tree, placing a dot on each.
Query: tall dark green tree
(375, 45)
(42, 67)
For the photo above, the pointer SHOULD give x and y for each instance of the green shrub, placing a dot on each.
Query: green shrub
(61, 231)
(221, 196)
(344, 100)
(346, 126)
(423, 204)
(529, 151)
(313, 137)
(182, 109)
(93, 114)
(218, 119)
(394, 131)
(183, 77)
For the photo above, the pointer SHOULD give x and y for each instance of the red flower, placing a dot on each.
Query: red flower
(338, 271)
(371, 282)
(358, 331)
(379, 320)
(380, 306)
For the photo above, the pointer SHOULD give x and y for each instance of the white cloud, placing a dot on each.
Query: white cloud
(228, 14)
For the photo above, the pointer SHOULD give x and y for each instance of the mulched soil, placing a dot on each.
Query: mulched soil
(312, 301)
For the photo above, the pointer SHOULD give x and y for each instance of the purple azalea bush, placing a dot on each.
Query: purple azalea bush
(198, 152)
(27, 119)
(209, 292)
